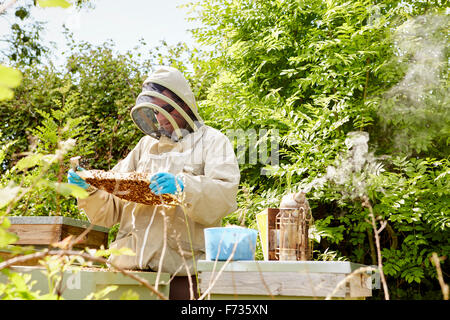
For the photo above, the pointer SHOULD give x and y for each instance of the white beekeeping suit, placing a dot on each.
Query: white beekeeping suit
(201, 156)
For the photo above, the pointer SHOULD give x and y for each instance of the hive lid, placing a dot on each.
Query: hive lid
(280, 266)
(130, 186)
(55, 220)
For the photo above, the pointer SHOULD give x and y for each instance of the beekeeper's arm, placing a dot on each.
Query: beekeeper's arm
(103, 208)
(212, 196)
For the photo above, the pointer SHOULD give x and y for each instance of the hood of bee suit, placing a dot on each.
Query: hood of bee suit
(145, 110)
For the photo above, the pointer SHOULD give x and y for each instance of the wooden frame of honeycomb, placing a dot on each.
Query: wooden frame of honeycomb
(130, 186)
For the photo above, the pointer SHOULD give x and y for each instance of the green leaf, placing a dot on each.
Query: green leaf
(4, 149)
(29, 161)
(7, 238)
(7, 194)
(76, 191)
(20, 281)
(114, 251)
(67, 189)
(101, 294)
(129, 295)
(5, 93)
(9, 78)
(5, 223)
(54, 3)
(62, 188)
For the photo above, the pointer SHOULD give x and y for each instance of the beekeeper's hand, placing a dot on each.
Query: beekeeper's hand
(75, 179)
(164, 182)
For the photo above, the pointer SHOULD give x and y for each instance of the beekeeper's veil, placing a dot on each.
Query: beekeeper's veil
(143, 113)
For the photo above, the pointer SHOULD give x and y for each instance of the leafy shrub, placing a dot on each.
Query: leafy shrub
(318, 70)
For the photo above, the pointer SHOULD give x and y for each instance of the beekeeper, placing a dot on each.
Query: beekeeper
(186, 158)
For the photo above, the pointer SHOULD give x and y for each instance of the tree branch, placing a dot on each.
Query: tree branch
(366, 203)
(211, 284)
(383, 225)
(437, 263)
(351, 275)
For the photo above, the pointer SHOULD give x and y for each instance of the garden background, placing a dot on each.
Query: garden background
(318, 73)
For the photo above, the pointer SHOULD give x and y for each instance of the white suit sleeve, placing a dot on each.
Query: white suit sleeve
(212, 196)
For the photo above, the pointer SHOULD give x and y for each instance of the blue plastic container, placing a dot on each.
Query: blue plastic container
(220, 243)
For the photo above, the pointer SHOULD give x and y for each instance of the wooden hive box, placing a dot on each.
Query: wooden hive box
(299, 280)
(78, 283)
(42, 231)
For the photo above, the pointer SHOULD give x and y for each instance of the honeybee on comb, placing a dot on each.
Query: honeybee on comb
(130, 186)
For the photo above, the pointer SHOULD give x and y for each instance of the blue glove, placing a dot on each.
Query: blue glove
(75, 179)
(164, 182)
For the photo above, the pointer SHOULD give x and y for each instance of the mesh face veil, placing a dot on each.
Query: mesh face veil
(145, 111)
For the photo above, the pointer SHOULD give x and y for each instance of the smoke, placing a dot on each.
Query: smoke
(420, 40)
(417, 107)
(352, 170)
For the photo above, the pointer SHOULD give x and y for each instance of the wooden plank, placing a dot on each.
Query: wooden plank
(109, 277)
(274, 283)
(346, 267)
(94, 239)
(358, 286)
(45, 234)
(36, 234)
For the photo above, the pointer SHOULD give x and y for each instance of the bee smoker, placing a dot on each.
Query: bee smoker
(292, 224)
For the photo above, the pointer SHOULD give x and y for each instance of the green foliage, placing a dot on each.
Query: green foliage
(89, 102)
(107, 84)
(52, 139)
(19, 287)
(311, 71)
(33, 184)
(101, 294)
(129, 295)
(6, 238)
(316, 71)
